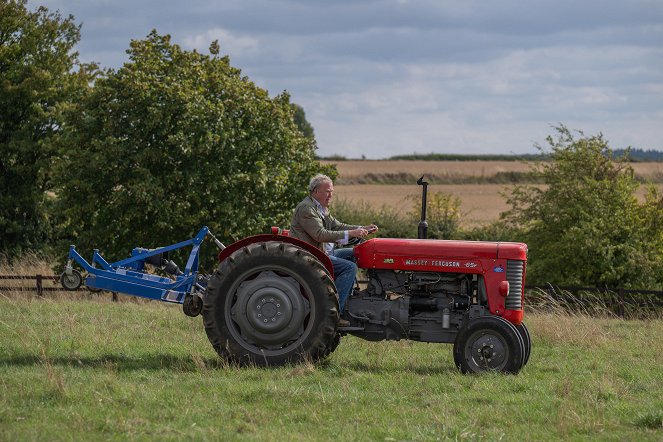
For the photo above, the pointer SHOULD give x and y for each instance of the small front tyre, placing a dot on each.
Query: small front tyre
(489, 343)
(527, 341)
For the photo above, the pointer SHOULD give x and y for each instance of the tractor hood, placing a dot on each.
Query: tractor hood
(381, 252)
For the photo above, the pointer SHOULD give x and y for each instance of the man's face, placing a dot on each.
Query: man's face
(323, 193)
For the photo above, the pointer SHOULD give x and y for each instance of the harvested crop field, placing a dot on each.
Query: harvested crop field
(480, 203)
(355, 171)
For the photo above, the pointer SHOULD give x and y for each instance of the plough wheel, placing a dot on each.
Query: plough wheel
(271, 303)
(192, 305)
(71, 280)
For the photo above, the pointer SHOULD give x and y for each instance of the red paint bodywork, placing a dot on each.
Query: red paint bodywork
(423, 255)
(471, 257)
(282, 238)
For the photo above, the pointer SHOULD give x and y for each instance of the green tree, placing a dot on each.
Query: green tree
(585, 225)
(175, 140)
(301, 121)
(36, 83)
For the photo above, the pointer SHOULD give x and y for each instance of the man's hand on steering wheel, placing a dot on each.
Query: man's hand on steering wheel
(357, 235)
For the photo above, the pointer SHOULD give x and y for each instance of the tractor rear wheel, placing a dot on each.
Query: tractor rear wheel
(335, 341)
(271, 303)
(489, 343)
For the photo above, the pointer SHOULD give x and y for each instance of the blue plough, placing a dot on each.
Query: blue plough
(129, 276)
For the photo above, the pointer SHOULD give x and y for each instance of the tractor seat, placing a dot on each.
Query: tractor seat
(279, 231)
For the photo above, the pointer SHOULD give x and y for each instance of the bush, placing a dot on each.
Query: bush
(442, 214)
(392, 224)
(172, 141)
(443, 217)
(586, 226)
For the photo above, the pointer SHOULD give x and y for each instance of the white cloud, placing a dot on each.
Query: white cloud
(387, 77)
(230, 42)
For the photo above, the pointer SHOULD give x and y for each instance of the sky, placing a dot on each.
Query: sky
(379, 78)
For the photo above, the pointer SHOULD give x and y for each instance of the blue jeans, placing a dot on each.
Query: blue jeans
(345, 272)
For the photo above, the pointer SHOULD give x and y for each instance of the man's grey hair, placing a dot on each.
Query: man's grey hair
(317, 181)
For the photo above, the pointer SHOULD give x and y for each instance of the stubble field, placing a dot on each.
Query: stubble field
(480, 203)
(356, 168)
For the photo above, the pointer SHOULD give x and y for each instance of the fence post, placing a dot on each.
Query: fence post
(620, 302)
(40, 287)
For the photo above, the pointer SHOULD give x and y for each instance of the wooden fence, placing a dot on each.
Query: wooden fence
(572, 297)
(42, 283)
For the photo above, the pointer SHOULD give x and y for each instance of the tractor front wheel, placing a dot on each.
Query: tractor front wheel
(489, 343)
(271, 303)
(527, 341)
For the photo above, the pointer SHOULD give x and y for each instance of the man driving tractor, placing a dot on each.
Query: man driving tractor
(312, 222)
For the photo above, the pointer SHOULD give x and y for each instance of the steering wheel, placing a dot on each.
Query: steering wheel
(354, 241)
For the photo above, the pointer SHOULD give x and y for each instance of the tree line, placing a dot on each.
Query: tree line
(631, 154)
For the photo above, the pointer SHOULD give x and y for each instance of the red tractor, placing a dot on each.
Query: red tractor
(272, 299)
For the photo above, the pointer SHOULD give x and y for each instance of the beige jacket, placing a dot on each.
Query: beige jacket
(309, 225)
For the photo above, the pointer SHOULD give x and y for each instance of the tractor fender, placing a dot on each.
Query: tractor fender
(319, 254)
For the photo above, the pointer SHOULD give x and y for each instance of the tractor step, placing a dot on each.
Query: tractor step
(349, 329)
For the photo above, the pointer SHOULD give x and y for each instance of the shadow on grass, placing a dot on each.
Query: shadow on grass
(121, 362)
(195, 363)
(391, 368)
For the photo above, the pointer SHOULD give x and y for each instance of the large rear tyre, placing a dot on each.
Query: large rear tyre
(271, 303)
(335, 341)
(489, 343)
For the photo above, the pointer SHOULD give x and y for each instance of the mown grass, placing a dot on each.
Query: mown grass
(76, 369)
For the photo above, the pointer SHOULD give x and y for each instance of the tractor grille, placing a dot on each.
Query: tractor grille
(514, 274)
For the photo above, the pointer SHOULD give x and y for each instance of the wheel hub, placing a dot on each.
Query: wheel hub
(488, 351)
(270, 310)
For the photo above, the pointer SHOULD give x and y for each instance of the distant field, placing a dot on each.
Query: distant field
(349, 170)
(480, 203)
(352, 171)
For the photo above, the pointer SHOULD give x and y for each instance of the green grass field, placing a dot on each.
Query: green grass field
(96, 370)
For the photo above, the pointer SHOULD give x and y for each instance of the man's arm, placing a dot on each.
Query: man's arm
(354, 231)
(311, 222)
(337, 225)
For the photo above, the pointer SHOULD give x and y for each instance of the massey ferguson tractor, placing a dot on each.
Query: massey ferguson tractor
(272, 299)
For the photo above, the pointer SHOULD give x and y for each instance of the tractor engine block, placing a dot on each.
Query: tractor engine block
(422, 306)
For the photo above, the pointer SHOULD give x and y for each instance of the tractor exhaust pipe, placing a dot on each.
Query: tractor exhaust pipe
(422, 230)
